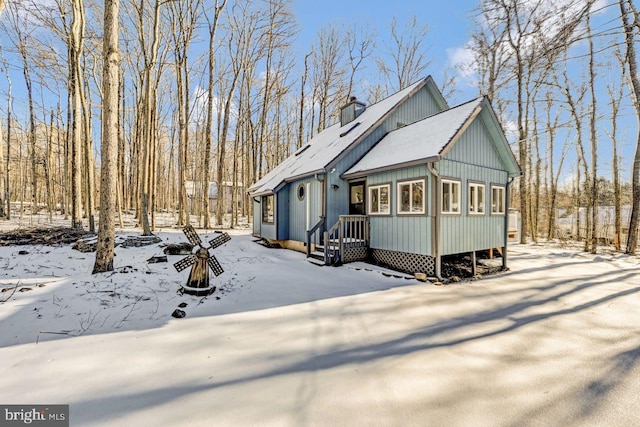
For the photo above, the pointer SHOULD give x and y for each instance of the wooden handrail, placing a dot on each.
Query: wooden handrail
(311, 232)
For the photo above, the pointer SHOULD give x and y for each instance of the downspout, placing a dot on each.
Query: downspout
(506, 223)
(322, 178)
(253, 217)
(323, 199)
(436, 220)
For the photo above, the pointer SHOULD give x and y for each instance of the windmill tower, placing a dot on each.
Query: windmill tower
(200, 262)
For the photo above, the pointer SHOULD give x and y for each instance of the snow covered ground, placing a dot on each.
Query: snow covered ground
(553, 342)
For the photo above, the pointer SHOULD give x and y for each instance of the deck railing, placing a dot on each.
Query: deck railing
(347, 240)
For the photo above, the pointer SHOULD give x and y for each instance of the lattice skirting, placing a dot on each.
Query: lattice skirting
(405, 262)
(355, 254)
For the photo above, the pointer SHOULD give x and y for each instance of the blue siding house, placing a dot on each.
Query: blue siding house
(404, 182)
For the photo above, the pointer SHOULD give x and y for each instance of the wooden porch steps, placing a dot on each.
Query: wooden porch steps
(316, 260)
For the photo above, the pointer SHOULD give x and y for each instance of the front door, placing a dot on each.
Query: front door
(357, 202)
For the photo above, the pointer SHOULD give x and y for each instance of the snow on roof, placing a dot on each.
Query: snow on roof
(419, 141)
(329, 144)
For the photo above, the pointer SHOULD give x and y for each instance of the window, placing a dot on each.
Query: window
(301, 192)
(267, 208)
(379, 197)
(411, 197)
(450, 197)
(476, 199)
(497, 200)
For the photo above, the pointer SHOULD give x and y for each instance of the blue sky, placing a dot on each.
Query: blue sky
(449, 25)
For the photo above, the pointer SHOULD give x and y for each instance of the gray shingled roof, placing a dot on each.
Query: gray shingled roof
(329, 144)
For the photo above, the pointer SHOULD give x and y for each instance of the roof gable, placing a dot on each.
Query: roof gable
(330, 144)
(500, 140)
(431, 139)
(418, 142)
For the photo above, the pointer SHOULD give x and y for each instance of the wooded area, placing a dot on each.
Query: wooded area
(214, 94)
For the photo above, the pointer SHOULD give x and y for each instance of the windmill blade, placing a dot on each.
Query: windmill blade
(215, 265)
(192, 236)
(220, 240)
(185, 262)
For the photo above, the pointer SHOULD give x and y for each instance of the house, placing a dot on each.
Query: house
(567, 224)
(404, 182)
(194, 195)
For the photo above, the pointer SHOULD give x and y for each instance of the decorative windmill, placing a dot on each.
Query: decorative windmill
(198, 283)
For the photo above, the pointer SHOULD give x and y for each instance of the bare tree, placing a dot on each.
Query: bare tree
(3, 174)
(19, 23)
(4, 166)
(218, 7)
(76, 41)
(183, 20)
(553, 173)
(518, 27)
(593, 138)
(147, 104)
(280, 28)
(360, 46)
(615, 98)
(109, 142)
(303, 83)
(243, 26)
(7, 187)
(492, 58)
(328, 73)
(408, 52)
(627, 8)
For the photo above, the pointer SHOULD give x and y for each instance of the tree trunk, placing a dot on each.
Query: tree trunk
(109, 144)
(183, 18)
(206, 176)
(616, 100)
(149, 101)
(7, 187)
(121, 153)
(47, 169)
(594, 142)
(301, 117)
(33, 155)
(2, 175)
(632, 240)
(87, 153)
(77, 34)
(222, 142)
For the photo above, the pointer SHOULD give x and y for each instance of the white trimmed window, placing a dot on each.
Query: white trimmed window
(267, 209)
(498, 200)
(411, 197)
(379, 200)
(476, 199)
(450, 196)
